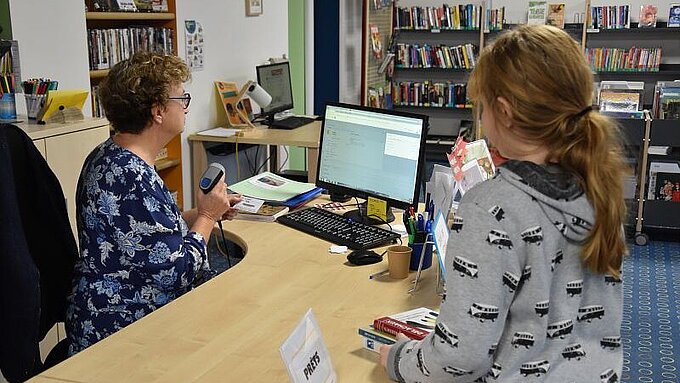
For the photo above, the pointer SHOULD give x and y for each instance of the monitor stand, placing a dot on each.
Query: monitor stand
(359, 215)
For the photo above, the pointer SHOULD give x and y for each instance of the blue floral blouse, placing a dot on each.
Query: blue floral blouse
(136, 253)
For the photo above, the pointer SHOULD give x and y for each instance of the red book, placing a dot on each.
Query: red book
(393, 326)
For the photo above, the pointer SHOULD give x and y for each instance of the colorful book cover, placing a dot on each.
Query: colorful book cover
(415, 324)
(228, 92)
(674, 16)
(537, 12)
(376, 42)
(556, 15)
(647, 16)
(421, 320)
(668, 187)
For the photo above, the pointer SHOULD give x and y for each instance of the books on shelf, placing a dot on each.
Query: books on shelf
(446, 17)
(647, 16)
(556, 15)
(462, 56)
(415, 323)
(666, 104)
(674, 15)
(494, 19)
(109, 46)
(537, 12)
(632, 59)
(609, 17)
(429, 94)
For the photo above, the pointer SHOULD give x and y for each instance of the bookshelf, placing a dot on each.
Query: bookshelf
(646, 214)
(160, 30)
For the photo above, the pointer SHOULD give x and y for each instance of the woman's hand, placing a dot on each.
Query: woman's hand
(231, 212)
(214, 204)
(385, 350)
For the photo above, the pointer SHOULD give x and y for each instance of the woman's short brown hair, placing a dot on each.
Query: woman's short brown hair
(137, 84)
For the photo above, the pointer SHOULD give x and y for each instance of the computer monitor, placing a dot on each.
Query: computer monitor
(275, 79)
(372, 152)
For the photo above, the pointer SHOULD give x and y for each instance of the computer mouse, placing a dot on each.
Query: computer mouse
(363, 257)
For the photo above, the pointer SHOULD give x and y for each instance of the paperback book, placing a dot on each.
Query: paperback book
(556, 15)
(420, 321)
(647, 16)
(674, 16)
(266, 213)
(537, 13)
(663, 177)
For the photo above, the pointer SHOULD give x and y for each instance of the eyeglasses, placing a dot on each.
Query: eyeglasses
(185, 99)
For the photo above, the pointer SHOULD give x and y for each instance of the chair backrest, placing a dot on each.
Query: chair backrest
(37, 253)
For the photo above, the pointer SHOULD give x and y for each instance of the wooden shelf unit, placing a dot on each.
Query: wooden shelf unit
(170, 169)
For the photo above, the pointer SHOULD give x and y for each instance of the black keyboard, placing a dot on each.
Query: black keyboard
(291, 122)
(337, 229)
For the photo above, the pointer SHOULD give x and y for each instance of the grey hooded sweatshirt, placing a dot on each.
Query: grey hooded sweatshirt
(520, 305)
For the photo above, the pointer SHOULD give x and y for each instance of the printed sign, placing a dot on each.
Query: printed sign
(305, 354)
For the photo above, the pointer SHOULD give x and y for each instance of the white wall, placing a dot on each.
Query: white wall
(234, 45)
(52, 43)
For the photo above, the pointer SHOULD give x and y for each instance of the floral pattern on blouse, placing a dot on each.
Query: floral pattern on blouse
(136, 253)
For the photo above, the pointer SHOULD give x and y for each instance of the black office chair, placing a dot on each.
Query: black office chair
(37, 256)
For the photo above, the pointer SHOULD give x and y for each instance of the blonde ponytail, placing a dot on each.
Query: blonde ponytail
(598, 161)
(543, 74)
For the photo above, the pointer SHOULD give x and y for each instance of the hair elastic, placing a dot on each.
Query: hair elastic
(583, 112)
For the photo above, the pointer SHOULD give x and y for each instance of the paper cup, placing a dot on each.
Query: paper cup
(398, 258)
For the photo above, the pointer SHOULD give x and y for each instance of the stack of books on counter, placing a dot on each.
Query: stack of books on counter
(275, 190)
(415, 324)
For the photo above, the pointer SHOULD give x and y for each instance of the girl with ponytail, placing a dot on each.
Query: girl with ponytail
(548, 268)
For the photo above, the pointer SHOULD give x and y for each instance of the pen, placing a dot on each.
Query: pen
(379, 273)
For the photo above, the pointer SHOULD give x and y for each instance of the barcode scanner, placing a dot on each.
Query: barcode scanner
(210, 177)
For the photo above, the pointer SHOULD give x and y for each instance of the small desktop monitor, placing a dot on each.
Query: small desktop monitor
(275, 79)
(372, 152)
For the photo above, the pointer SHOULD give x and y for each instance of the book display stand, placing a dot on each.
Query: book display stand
(232, 101)
(62, 116)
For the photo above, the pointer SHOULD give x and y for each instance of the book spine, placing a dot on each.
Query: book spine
(372, 344)
(384, 339)
(394, 327)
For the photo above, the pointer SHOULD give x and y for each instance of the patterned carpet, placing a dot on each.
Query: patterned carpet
(650, 332)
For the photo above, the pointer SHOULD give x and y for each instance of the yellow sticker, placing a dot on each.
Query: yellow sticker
(377, 208)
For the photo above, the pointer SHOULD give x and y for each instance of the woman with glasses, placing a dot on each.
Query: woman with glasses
(137, 250)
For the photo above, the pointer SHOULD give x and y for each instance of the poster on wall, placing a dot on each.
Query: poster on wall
(194, 45)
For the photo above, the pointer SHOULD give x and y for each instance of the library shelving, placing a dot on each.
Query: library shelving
(114, 36)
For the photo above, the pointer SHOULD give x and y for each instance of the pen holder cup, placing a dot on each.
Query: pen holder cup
(415, 256)
(33, 104)
(8, 107)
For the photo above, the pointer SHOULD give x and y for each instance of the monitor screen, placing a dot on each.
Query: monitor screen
(275, 79)
(372, 152)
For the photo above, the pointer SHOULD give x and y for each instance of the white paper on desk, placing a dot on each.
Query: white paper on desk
(219, 132)
(249, 204)
(441, 188)
(440, 236)
(305, 355)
